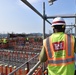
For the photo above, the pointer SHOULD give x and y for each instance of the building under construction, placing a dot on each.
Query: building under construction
(19, 52)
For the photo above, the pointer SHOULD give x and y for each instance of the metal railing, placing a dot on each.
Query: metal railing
(33, 69)
(26, 63)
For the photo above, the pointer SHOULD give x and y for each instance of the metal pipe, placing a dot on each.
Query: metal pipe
(69, 30)
(44, 20)
(36, 11)
(33, 69)
(43, 28)
(71, 25)
(75, 26)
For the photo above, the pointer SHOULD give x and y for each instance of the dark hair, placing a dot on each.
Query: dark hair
(59, 28)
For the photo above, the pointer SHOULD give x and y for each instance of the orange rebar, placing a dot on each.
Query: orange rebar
(14, 69)
(6, 69)
(26, 71)
(1, 68)
(10, 68)
(39, 71)
(26, 56)
(45, 72)
(36, 72)
(33, 74)
(20, 71)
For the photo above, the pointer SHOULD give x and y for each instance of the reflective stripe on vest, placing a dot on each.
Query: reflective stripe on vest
(68, 40)
(69, 44)
(61, 61)
(48, 47)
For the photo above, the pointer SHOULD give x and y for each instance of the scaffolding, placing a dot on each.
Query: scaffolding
(45, 19)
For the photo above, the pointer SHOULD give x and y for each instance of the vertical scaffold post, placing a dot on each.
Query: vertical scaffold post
(75, 26)
(44, 27)
(44, 20)
(27, 67)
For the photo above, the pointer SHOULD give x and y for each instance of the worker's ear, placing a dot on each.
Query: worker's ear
(63, 26)
(53, 27)
(53, 30)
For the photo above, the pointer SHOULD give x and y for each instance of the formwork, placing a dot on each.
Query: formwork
(19, 52)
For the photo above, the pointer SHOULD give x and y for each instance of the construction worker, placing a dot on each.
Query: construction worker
(4, 40)
(58, 49)
(0, 40)
(27, 39)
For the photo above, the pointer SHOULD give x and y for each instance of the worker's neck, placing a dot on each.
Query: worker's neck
(57, 31)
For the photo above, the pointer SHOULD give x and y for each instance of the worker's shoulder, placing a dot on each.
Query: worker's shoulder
(70, 35)
(46, 38)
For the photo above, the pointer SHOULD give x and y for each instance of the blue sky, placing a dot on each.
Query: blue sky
(16, 17)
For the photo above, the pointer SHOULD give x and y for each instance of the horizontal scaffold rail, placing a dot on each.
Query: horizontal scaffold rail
(33, 69)
(63, 16)
(71, 25)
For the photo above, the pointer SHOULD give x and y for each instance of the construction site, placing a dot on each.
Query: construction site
(19, 53)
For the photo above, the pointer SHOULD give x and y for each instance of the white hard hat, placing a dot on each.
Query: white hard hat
(58, 21)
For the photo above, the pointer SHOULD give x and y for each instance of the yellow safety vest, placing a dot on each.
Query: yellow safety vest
(60, 54)
(4, 41)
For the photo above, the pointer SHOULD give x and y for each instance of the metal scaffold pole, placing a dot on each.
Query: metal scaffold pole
(75, 26)
(63, 16)
(44, 27)
(44, 20)
(37, 12)
(34, 9)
